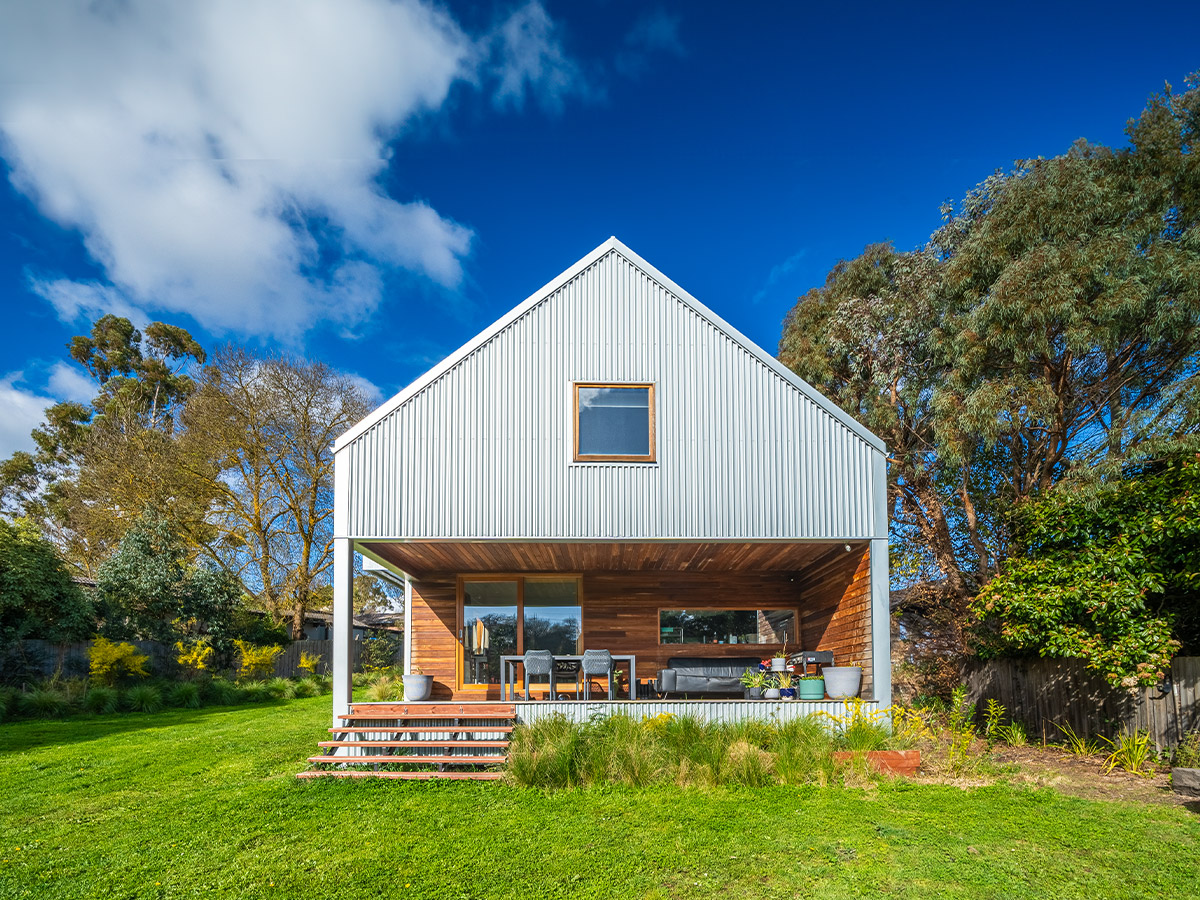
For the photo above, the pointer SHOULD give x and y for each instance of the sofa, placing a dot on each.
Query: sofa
(704, 675)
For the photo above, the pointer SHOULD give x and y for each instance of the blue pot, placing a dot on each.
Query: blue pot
(787, 693)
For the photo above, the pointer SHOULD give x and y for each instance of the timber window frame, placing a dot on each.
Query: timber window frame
(650, 456)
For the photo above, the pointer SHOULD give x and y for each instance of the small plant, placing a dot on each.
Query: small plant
(221, 692)
(186, 694)
(281, 689)
(753, 679)
(993, 718)
(309, 662)
(43, 703)
(102, 700)
(1013, 734)
(195, 657)
(785, 680)
(1187, 754)
(108, 663)
(1077, 745)
(144, 698)
(256, 663)
(817, 677)
(1131, 751)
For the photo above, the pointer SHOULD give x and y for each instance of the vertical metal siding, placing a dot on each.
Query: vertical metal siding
(485, 451)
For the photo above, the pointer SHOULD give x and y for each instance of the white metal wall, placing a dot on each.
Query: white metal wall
(485, 450)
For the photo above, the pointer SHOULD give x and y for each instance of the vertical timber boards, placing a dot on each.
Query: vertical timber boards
(620, 613)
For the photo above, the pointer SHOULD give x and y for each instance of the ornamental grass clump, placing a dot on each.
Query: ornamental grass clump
(43, 703)
(281, 689)
(385, 688)
(221, 692)
(185, 695)
(102, 700)
(547, 753)
(144, 698)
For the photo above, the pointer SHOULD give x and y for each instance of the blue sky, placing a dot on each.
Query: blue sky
(372, 183)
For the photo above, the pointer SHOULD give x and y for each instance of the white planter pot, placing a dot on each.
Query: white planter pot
(778, 664)
(771, 694)
(842, 682)
(417, 687)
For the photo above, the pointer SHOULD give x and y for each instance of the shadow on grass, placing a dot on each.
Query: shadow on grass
(29, 734)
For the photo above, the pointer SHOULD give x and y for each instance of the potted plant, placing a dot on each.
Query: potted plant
(842, 682)
(754, 682)
(779, 660)
(811, 687)
(1185, 766)
(786, 691)
(417, 686)
(770, 688)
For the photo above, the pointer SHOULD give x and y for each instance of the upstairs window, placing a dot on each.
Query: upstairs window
(614, 422)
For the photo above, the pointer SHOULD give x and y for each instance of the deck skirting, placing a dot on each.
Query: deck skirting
(717, 711)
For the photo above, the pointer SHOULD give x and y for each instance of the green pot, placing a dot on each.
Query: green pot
(813, 689)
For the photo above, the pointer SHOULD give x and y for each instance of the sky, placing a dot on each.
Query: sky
(372, 183)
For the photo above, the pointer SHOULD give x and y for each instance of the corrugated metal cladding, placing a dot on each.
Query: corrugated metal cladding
(485, 450)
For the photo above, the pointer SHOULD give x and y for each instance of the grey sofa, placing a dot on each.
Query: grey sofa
(700, 675)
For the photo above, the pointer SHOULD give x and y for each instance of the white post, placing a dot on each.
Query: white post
(881, 612)
(407, 625)
(343, 626)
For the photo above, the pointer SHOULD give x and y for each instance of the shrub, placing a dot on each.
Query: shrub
(185, 694)
(194, 657)
(144, 698)
(108, 663)
(255, 692)
(380, 652)
(386, 688)
(43, 703)
(309, 662)
(1187, 754)
(1131, 751)
(256, 663)
(102, 700)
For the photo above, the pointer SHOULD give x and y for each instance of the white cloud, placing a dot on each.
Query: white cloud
(222, 159)
(67, 382)
(370, 389)
(20, 412)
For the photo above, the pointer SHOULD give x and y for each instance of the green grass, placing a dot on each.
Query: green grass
(188, 803)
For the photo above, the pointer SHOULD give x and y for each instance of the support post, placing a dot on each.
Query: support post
(881, 607)
(343, 626)
(407, 625)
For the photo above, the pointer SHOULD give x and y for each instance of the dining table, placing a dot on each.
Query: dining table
(508, 672)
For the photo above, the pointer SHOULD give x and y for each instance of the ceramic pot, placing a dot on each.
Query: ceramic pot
(787, 693)
(812, 689)
(778, 664)
(842, 681)
(771, 694)
(754, 693)
(417, 687)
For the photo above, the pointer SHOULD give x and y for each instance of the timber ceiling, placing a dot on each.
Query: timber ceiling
(425, 558)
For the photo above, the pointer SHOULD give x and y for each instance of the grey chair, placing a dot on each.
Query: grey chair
(538, 662)
(596, 662)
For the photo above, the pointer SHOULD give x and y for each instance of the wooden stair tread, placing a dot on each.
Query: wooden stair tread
(410, 760)
(415, 729)
(412, 743)
(432, 710)
(409, 776)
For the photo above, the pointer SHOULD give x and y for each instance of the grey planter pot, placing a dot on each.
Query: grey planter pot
(1186, 782)
(754, 693)
(771, 694)
(417, 687)
(842, 681)
(778, 664)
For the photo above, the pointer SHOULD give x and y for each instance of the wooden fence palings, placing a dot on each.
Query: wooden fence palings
(1044, 694)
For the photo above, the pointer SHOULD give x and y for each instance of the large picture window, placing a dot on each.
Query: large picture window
(614, 422)
(726, 626)
(507, 616)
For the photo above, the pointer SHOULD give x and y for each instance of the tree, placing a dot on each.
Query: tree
(1110, 575)
(148, 590)
(38, 599)
(269, 422)
(96, 468)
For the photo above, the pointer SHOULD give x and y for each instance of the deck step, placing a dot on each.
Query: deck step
(431, 711)
(410, 776)
(379, 759)
(401, 744)
(422, 729)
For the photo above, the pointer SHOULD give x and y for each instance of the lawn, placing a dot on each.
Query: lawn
(204, 803)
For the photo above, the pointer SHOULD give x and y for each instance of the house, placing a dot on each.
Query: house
(613, 466)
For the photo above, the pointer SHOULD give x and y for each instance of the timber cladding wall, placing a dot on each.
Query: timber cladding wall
(620, 613)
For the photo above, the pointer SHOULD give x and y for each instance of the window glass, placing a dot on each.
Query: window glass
(553, 617)
(613, 421)
(726, 626)
(489, 628)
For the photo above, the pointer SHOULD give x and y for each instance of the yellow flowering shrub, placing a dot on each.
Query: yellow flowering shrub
(256, 662)
(195, 657)
(108, 662)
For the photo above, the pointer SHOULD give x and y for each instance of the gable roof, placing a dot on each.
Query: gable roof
(611, 245)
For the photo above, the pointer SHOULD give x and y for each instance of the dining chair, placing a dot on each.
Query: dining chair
(596, 662)
(538, 662)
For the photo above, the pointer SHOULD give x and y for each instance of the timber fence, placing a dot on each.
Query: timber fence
(41, 659)
(1044, 694)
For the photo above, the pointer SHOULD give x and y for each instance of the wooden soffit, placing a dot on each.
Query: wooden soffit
(424, 558)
